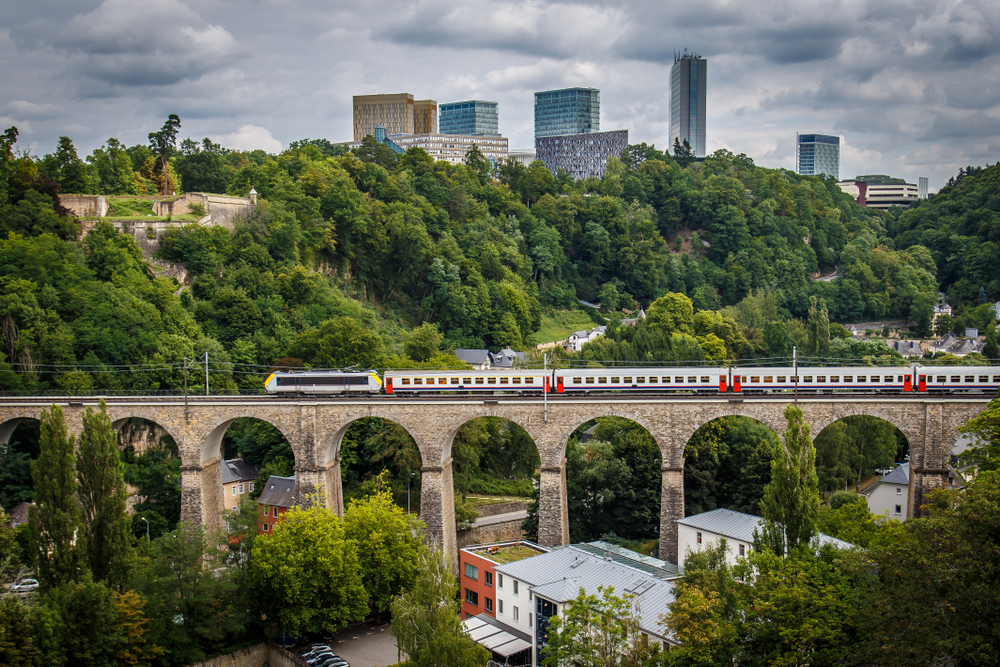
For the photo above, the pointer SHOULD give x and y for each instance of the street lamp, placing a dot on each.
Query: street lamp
(409, 479)
(147, 527)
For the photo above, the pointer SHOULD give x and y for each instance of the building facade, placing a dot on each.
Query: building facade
(398, 113)
(453, 147)
(237, 479)
(471, 117)
(477, 571)
(817, 155)
(567, 111)
(524, 156)
(880, 191)
(275, 500)
(581, 155)
(688, 80)
(890, 495)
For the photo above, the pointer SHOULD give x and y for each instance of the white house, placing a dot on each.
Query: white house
(578, 339)
(890, 495)
(701, 531)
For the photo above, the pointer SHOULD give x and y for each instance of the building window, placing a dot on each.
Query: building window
(699, 538)
(743, 550)
(251, 487)
(489, 604)
(488, 577)
(241, 488)
(265, 527)
(899, 509)
(472, 597)
(899, 491)
(515, 588)
(515, 615)
(275, 512)
(500, 607)
(234, 489)
(472, 572)
(529, 619)
(499, 581)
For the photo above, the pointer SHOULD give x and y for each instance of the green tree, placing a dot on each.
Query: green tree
(671, 313)
(423, 342)
(818, 327)
(388, 542)
(339, 343)
(791, 500)
(58, 536)
(425, 619)
(600, 631)
(307, 573)
(102, 494)
(163, 144)
(984, 452)
(66, 168)
(683, 152)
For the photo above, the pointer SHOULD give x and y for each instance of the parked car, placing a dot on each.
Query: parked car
(24, 586)
(331, 661)
(313, 651)
(320, 657)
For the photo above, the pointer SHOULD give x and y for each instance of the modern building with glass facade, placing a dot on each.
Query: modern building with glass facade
(397, 113)
(567, 111)
(688, 78)
(581, 155)
(472, 117)
(817, 155)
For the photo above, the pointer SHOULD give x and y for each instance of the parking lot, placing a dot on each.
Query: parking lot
(365, 646)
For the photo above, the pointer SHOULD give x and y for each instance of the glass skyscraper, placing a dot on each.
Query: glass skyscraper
(688, 78)
(817, 154)
(472, 117)
(567, 111)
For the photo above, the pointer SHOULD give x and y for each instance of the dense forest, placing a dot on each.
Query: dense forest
(372, 259)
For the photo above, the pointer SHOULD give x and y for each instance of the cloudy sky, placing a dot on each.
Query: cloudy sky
(912, 86)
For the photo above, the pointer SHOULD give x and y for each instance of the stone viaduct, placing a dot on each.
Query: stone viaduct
(315, 428)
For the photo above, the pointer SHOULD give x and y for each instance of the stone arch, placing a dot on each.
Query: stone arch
(12, 420)
(452, 427)
(656, 425)
(328, 440)
(910, 426)
(209, 440)
(770, 415)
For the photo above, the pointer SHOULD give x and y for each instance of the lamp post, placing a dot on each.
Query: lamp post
(409, 479)
(147, 527)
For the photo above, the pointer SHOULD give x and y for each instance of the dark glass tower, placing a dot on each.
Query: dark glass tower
(567, 111)
(688, 79)
(475, 117)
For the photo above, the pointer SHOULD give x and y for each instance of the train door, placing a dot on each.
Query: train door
(921, 383)
(388, 385)
(722, 384)
(908, 383)
(736, 382)
(545, 385)
(559, 384)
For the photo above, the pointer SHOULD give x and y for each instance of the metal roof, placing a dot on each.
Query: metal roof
(279, 491)
(654, 566)
(475, 357)
(901, 475)
(237, 470)
(496, 636)
(559, 576)
(739, 526)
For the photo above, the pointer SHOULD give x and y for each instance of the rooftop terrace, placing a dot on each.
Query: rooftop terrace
(506, 552)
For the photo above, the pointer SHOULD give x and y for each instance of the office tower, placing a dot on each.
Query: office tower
(567, 111)
(817, 154)
(581, 155)
(923, 186)
(425, 117)
(471, 117)
(688, 79)
(397, 113)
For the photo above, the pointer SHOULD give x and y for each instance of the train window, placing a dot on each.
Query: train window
(590, 380)
(654, 379)
(615, 380)
(405, 380)
(577, 380)
(455, 381)
(984, 378)
(970, 378)
(956, 378)
(755, 378)
(503, 380)
(491, 380)
(676, 379)
(479, 380)
(794, 378)
(627, 380)
(807, 378)
(834, 378)
(603, 380)
(781, 378)
(692, 380)
(666, 379)
(996, 378)
(862, 378)
(705, 379)
(820, 378)
(418, 381)
(899, 379)
(942, 378)
(442, 380)
(517, 380)
(466, 380)
(769, 378)
(848, 378)
(640, 380)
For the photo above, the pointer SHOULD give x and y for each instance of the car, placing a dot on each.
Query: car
(320, 658)
(24, 586)
(332, 661)
(315, 650)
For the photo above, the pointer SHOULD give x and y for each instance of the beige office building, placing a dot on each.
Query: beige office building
(398, 113)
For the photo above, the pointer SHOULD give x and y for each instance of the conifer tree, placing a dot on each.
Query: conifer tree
(102, 495)
(57, 534)
(790, 507)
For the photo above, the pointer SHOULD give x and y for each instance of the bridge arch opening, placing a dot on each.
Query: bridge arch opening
(853, 452)
(18, 448)
(152, 462)
(614, 484)
(250, 450)
(361, 450)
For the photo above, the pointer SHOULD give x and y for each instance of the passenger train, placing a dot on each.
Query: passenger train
(693, 380)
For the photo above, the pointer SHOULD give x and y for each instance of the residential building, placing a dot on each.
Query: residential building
(477, 569)
(507, 358)
(817, 155)
(399, 113)
(578, 339)
(523, 155)
(237, 479)
(701, 531)
(275, 500)
(530, 591)
(880, 191)
(471, 117)
(688, 85)
(996, 310)
(581, 155)
(567, 111)
(478, 359)
(907, 348)
(890, 496)
(19, 514)
(941, 309)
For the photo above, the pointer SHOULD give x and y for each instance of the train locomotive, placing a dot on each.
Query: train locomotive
(699, 380)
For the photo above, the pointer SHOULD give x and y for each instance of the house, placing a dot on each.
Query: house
(996, 310)
(506, 358)
(578, 339)
(907, 348)
(19, 514)
(478, 359)
(277, 498)
(632, 321)
(237, 479)
(477, 564)
(701, 531)
(890, 495)
(952, 344)
(530, 591)
(940, 310)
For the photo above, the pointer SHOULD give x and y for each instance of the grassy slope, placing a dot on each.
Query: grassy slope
(557, 325)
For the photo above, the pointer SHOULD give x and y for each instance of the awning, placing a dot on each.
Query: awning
(494, 638)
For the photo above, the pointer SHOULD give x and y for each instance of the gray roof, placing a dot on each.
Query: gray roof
(237, 470)
(474, 357)
(560, 575)
(739, 526)
(278, 491)
(901, 475)
(506, 358)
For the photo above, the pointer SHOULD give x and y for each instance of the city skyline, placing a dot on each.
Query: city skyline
(912, 89)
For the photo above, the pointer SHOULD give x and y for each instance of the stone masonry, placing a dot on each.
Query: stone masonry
(315, 428)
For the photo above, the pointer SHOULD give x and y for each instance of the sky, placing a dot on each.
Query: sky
(911, 86)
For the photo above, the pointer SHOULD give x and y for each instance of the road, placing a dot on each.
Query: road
(520, 515)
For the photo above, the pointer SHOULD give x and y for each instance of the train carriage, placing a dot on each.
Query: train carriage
(943, 379)
(323, 382)
(819, 379)
(687, 380)
(467, 381)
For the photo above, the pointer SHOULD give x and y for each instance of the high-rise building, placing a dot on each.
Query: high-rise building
(688, 78)
(567, 111)
(817, 154)
(397, 113)
(472, 117)
(581, 155)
